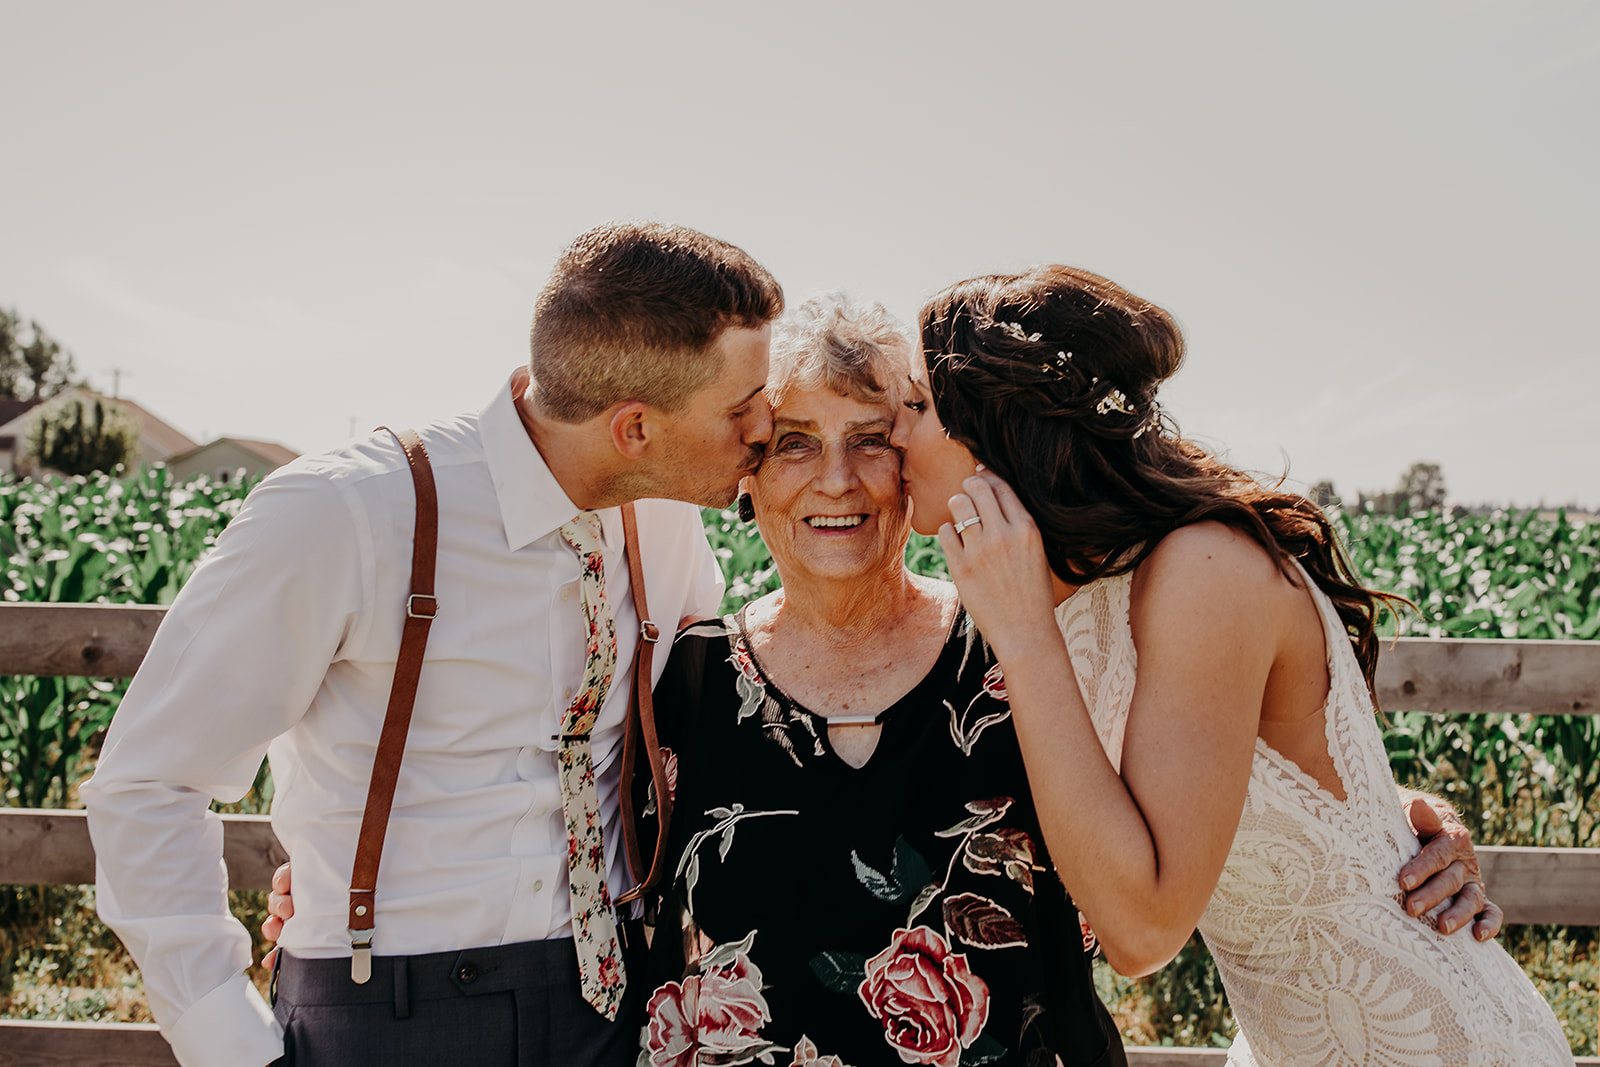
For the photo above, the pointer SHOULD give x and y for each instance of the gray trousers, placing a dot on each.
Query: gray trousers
(505, 1006)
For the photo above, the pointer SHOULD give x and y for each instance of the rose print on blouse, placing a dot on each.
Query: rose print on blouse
(930, 1003)
(901, 979)
(714, 1016)
(981, 711)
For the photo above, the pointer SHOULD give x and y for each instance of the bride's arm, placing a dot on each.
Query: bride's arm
(1140, 853)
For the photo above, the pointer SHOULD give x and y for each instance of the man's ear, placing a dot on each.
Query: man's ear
(632, 427)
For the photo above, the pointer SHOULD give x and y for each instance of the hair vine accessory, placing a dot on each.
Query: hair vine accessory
(1150, 423)
(1062, 362)
(1015, 331)
(1114, 400)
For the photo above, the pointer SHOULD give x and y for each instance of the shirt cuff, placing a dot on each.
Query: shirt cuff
(231, 1026)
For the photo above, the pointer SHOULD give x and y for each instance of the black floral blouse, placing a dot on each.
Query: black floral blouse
(902, 912)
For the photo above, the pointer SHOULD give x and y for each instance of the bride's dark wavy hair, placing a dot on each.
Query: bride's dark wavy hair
(1050, 377)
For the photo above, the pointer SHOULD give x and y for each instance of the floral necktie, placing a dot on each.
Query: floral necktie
(594, 927)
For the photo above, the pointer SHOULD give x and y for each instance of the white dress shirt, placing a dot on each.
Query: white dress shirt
(284, 641)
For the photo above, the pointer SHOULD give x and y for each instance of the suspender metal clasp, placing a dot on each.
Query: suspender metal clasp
(360, 956)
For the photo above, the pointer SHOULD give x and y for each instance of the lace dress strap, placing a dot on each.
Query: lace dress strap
(1094, 623)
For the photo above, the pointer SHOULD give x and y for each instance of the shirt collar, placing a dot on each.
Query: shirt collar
(532, 503)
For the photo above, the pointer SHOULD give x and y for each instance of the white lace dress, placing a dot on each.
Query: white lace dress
(1321, 963)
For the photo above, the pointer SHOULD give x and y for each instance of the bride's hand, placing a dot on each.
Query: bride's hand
(996, 558)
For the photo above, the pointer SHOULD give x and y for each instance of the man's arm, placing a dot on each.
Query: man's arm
(235, 663)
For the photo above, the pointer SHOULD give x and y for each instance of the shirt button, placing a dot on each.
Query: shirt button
(566, 594)
(567, 693)
(538, 884)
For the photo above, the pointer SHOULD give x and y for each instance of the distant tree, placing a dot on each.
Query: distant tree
(33, 366)
(80, 437)
(1421, 488)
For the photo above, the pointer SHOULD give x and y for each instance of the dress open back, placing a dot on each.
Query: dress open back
(1321, 962)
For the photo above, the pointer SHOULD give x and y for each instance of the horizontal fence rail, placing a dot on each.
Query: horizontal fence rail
(1439, 675)
(51, 847)
(1479, 675)
(88, 640)
(46, 846)
(1467, 676)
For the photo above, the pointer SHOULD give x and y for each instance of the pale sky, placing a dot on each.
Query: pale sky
(1377, 222)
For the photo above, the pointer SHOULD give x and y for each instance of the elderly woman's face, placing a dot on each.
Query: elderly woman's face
(827, 496)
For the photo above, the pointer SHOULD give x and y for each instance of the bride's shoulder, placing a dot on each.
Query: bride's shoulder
(1207, 559)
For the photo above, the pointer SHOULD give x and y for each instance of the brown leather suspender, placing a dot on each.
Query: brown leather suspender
(421, 608)
(640, 728)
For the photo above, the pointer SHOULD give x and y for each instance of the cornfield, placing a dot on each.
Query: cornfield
(1520, 780)
(98, 539)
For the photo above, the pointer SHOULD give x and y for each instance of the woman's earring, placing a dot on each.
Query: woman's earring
(747, 508)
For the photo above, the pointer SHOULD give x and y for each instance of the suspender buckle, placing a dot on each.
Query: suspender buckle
(422, 606)
(649, 631)
(360, 956)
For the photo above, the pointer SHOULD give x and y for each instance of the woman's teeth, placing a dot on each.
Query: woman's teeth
(834, 522)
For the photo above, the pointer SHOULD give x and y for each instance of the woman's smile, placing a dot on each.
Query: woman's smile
(835, 523)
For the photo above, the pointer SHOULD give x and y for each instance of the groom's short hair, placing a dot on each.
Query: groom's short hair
(631, 311)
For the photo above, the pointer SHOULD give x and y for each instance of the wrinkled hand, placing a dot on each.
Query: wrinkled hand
(998, 563)
(280, 907)
(1447, 867)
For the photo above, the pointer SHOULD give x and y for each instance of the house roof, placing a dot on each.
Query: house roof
(269, 451)
(11, 409)
(163, 435)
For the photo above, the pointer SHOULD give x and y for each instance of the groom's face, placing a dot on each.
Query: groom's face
(720, 436)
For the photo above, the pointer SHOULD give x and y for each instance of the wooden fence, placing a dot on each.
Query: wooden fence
(1470, 677)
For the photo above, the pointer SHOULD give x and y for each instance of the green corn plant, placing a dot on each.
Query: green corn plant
(89, 539)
